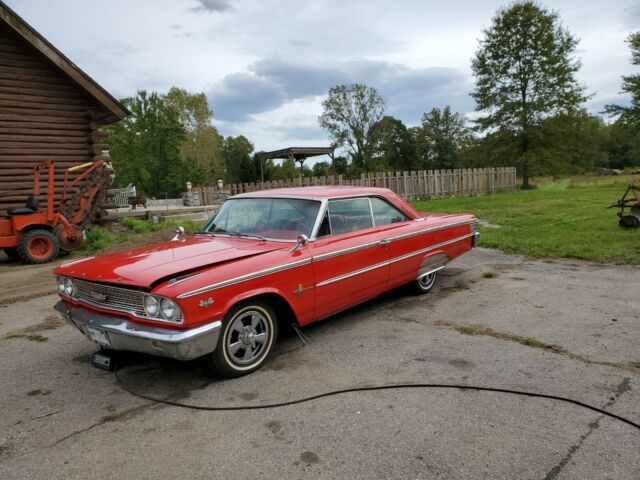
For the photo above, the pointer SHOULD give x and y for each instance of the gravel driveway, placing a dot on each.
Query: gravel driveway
(560, 327)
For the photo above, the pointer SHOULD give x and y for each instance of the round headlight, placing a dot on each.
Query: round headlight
(151, 305)
(61, 285)
(69, 287)
(170, 310)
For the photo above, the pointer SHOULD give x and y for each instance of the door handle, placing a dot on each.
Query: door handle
(385, 242)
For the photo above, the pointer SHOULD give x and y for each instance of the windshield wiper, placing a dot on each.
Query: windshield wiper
(248, 235)
(213, 232)
(232, 233)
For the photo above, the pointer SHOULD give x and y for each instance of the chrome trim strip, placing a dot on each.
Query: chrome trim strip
(430, 272)
(244, 278)
(373, 219)
(344, 251)
(428, 249)
(394, 260)
(269, 271)
(177, 280)
(432, 229)
(324, 207)
(352, 274)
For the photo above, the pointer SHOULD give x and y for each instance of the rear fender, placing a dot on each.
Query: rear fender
(432, 263)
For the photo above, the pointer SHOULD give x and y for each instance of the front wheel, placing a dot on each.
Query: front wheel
(249, 333)
(425, 283)
(38, 246)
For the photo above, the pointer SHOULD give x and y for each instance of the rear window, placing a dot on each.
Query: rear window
(384, 213)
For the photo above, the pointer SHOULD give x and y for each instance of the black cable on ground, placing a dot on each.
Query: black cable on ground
(372, 389)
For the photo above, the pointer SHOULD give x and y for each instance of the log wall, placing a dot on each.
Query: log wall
(43, 115)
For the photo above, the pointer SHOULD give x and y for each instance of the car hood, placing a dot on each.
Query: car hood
(147, 266)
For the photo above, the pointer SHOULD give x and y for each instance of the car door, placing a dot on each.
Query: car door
(350, 258)
(397, 231)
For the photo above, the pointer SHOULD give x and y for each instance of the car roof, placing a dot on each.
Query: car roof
(318, 192)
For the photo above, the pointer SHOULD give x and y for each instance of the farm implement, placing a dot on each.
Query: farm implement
(629, 205)
(36, 235)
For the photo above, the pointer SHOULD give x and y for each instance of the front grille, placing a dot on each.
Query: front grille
(113, 298)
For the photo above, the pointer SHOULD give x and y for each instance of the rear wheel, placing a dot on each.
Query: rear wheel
(37, 246)
(425, 283)
(249, 332)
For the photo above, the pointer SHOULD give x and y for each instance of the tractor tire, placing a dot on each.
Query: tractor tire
(38, 246)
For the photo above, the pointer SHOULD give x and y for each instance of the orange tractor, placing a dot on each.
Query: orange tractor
(36, 235)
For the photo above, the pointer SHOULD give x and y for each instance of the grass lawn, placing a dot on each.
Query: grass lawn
(565, 218)
(100, 237)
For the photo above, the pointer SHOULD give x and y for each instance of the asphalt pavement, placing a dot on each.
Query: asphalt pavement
(558, 327)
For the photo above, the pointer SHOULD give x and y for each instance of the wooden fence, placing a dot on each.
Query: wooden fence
(409, 185)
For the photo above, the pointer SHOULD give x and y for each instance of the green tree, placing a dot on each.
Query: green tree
(348, 114)
(393, 146)
(631, 85)
(570, 142)
(340, 164)
(525, 72)
(239, 165)
(145, 146)
(202, 147)
(321, 169)
(622, 144)
(440, 137)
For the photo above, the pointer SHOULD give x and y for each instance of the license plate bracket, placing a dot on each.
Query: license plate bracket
(99, 336)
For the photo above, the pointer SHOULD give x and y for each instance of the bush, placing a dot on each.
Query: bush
(97, 238)
(140, 226)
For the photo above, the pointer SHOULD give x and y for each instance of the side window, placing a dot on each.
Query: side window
(325, 227)
(349, 215)
(384, 213)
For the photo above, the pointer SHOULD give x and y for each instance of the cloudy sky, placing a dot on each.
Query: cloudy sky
(266, 65)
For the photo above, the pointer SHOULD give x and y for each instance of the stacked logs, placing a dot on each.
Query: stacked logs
(43, 115)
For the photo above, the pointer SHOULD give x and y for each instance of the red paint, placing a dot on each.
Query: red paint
(219, 259)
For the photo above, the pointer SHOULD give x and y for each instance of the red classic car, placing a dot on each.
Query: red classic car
(292, 255)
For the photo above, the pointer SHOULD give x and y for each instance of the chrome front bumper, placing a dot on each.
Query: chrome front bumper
(123, 335)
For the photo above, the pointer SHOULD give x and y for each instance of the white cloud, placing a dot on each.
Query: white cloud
(266, 65)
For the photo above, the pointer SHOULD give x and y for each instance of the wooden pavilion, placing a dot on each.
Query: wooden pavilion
(297, 154)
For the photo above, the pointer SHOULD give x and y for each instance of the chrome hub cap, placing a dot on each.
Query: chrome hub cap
(247, 338)
(426, 281)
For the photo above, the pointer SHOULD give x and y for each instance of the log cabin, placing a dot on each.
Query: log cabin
(49, 109)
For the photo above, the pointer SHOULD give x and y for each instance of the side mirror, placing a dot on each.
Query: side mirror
(302, 241)
(179, 233)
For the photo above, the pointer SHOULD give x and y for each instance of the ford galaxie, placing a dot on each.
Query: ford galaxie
(291, 255)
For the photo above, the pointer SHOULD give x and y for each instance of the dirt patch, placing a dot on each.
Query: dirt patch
(486, 331)
(531, 342)
(32, 332)
(309, 457)
(26, 282)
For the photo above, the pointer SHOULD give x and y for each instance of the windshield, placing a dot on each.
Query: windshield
(271, 218)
